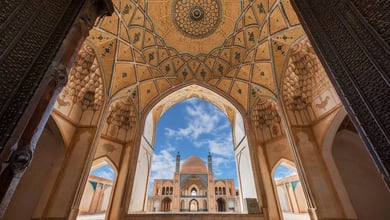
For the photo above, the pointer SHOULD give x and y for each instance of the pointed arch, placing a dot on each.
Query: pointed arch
(349, 164)
(193, 205)
(166, 204)
(285, 162)
(240, 141)
(221, 205)
(98, 200)
(288, 189)
(103, 160)
(331, 165)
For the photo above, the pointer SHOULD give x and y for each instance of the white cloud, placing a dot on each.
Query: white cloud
(170, 148)
(218, 173)
(222, 146)
(204, 127)
(219, 161)
(222, 165)
(201, 119)
(170, 132)
(163, 164)
(283, 171)
(105, 172)
(193, 101)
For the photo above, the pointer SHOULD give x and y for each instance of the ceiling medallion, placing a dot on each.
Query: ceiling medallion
(196, 18)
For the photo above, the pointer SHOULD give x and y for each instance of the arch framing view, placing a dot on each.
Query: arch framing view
(242, 149)
(303, 84)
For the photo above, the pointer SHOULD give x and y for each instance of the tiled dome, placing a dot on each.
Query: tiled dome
(193, 164)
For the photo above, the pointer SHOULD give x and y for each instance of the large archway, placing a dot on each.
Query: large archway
(241, 146)
(353, 170)
(272, 25)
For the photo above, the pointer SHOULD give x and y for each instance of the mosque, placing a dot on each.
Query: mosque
(194, 189)
(303, 83)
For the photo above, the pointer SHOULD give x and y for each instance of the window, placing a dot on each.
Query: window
(193, 192)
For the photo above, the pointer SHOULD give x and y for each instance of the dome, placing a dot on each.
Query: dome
(193, 164)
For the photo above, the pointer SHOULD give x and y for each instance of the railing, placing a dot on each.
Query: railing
(191, 196)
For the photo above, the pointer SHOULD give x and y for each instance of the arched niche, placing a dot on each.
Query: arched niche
(359, 185)
(193, 205)
(221, 205)
(306, 91)
(331, 165)
(82, 99)
(96, 198)
(39, 178)
(166, 205)
(308, 100)
(240, 142)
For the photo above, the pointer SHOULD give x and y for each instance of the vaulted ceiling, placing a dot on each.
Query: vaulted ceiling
(149, 48)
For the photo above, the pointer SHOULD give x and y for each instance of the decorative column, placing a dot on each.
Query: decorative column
(45, 30)
(257, 157)
(312, 174)
(352, 40)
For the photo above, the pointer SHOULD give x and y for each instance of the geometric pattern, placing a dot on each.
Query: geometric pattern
(137, 63)
(196, 19)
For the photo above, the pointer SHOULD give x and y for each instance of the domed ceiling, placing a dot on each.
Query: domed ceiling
(237, 47)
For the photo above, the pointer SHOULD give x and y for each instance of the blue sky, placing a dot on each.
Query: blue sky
(104, 171)
(282, 171)
(193, 127)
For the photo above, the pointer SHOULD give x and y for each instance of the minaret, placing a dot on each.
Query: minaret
(178, 162)
(210, 163)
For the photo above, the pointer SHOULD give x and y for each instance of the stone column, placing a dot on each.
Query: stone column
(272, 204)
(306, 184)
(352, 40)
(33, 91)
(96, 199)
(259, 167)
(323, 197)
(118, 208)
(291, 197)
